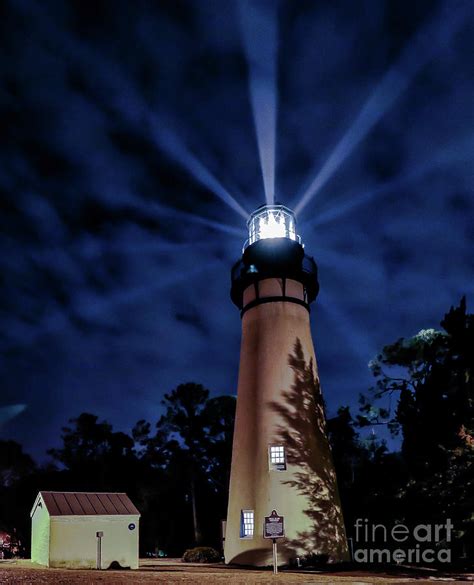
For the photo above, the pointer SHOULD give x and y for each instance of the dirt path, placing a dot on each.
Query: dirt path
(172, 571)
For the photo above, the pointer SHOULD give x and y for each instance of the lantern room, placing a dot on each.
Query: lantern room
(271, 221)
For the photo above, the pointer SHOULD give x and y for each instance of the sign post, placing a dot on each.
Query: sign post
(99, 536)
(275, 557)
(274, 528)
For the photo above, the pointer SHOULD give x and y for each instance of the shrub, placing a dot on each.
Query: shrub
(314, 560)
(201, 554)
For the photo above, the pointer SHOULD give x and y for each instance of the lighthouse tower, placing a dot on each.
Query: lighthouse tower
(281, 459)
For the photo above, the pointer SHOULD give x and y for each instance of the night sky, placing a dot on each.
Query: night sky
(126, 128)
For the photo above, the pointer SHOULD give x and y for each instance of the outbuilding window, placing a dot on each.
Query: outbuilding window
(247, 524)
(277, 457)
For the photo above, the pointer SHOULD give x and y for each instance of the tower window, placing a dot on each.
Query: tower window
(247, 524)
(277, 458)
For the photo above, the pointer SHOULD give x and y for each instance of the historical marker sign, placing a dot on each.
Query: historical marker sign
(273, 526)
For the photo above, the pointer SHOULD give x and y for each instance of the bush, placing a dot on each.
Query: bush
(314, 560)
(201, 554)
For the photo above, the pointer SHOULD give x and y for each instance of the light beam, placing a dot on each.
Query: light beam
(432, 38)
(163, 210)
(7, 413)
(170, 143)
(124, 96)
(367, 271)
(462, 151)
(258, 24)
(356, 341)
(93, 307)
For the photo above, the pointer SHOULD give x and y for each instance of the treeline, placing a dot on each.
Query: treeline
(423, 393)
(177, 471)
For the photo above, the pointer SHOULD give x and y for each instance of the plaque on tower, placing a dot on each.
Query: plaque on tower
(273, 527)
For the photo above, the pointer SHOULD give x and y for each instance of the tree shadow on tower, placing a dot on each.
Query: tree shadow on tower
(302, 430)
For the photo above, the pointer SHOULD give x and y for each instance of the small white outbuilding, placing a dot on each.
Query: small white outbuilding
(84, 530)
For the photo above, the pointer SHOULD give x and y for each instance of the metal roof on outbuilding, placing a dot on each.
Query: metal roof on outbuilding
(88, 504)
